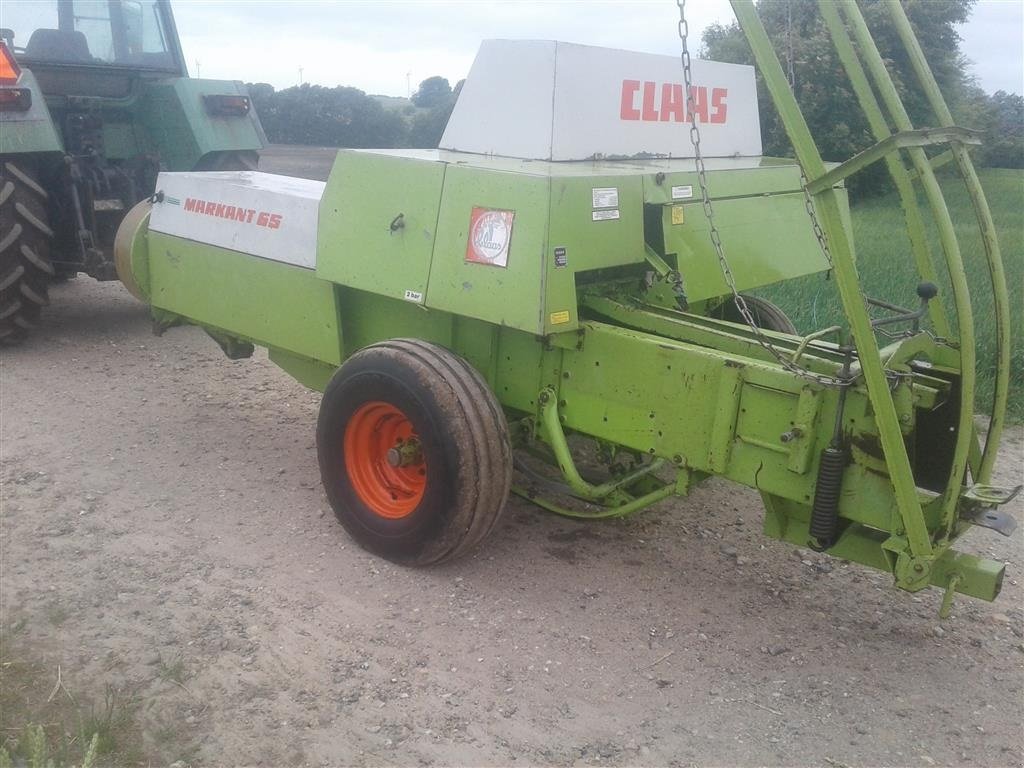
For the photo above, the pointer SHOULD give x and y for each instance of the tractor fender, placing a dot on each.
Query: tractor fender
(178, 118)
(31, 130)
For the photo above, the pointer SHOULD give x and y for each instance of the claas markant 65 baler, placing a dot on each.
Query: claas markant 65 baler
(574, 263)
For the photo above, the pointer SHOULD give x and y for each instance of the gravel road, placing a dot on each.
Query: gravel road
(161, 502)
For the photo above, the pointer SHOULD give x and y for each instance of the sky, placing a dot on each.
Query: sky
(388, 47)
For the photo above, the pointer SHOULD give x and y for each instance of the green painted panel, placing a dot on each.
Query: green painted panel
(124, 140)
(173, 113)
(560, 169)
(32, 130)
(642, 391)
(310, 373)
(520, 370)
(588, 243)
(368, 318)
(726, 182)
(356, 244)
(666, 399)
(766, 239)
(509, 296)
(272, 304)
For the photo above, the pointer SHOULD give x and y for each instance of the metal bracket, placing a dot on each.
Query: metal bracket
(233, 347)
(921, 137)
(990, 495)
(987, 517)
(979, 504)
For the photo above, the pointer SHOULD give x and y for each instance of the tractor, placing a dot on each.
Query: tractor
(95, 101)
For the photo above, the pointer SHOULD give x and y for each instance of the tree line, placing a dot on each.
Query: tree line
(827, 99)
(348, 117)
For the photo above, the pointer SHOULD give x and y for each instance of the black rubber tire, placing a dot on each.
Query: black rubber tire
(25, 237)
(240, 160)
(766, 314)
(464, 440)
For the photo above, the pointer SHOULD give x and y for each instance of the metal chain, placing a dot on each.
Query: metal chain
(819, 233)
(789, 44)
(716, 237)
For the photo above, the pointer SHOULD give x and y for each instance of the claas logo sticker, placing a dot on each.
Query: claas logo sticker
(490, 234)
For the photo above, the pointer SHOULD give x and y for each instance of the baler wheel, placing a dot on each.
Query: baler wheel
(414, 452)
(766, 314)
(25, 235)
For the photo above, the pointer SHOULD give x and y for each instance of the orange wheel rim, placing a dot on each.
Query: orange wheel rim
(383, 460)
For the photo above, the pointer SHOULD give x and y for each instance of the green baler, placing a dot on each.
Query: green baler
(539, 300)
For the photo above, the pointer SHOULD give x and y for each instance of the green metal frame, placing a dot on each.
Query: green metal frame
(1000, 299)
(843, 18)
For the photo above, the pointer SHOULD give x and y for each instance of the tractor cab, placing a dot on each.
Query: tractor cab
(95, 102)
(49, 36)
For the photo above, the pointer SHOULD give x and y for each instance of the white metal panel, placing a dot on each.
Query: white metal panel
(618, 103)
(558, 101)
(273, 217)
(504, 107)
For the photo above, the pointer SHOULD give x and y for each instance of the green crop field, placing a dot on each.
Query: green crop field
(886, 269)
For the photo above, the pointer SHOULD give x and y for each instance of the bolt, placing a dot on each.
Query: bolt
(405, 453)
(677, 459)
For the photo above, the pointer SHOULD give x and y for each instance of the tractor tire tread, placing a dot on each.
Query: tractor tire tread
(25, 237)
(26, 179)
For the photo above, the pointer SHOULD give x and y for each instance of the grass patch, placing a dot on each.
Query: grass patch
(887, 271)
(172, 671)
(43, 722)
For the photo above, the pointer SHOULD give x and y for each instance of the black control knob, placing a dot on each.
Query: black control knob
(927, 291)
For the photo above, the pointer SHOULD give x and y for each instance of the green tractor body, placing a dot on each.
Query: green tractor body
(555, 303)
(95, 102)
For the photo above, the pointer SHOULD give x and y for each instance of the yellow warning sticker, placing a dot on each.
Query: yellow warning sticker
(677, 214)
(557, 318)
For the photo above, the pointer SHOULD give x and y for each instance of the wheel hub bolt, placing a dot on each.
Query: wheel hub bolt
(404, 453)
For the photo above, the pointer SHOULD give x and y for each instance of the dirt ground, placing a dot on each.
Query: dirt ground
(163, 530)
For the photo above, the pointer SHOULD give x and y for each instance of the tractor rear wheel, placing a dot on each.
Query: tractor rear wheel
(25, 236)
(766, 314)
(414, 452)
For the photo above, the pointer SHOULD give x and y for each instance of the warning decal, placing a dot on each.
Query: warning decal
(605, 197)
(490, 234)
